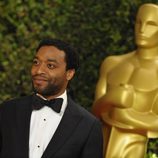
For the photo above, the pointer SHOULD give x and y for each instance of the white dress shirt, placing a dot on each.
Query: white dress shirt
(43, 125)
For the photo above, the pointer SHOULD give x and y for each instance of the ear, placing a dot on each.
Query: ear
(69, 74)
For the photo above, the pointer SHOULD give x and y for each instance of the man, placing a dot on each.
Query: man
(29, 127)
(127, 92)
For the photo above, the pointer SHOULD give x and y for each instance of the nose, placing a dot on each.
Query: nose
(40, 69)
(142, 27)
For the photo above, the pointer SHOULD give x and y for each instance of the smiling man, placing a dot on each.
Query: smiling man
(49, 124)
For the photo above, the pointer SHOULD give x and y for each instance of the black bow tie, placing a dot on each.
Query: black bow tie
(55, 104)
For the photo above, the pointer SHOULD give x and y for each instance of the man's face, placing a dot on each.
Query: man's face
(49, 74)
(146, 28)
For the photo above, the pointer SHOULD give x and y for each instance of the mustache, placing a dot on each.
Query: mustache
(39, 76)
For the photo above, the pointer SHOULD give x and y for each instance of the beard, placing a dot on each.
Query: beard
(49, 90)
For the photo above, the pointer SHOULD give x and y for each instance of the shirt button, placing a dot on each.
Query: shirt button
(44, 119)
(38, 146)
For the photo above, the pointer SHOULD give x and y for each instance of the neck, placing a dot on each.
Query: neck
(51, 96)
(147, 53)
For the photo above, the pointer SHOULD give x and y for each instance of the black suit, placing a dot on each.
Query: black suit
(77, 136)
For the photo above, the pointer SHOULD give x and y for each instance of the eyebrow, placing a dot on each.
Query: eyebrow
(49, 60)
(53, 60)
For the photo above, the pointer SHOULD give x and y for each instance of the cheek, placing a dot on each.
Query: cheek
(32, 71)
(155, 36)
(136, 28)
(59, 78)
(153, 39)
(152, 33)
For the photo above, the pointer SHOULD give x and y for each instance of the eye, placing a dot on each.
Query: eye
(152, 23)
(35, 62)
(50, 66)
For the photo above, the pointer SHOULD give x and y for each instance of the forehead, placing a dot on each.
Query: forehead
(49, 52)
(148, 13)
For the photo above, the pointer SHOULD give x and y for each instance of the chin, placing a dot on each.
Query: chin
(142, 44)
(38, 90)
(146, 46)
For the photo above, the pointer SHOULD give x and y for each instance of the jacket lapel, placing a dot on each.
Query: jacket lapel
(23, 115)
(69, 122)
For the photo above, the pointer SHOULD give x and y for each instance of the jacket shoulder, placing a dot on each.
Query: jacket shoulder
(15, 101)
(80, 110)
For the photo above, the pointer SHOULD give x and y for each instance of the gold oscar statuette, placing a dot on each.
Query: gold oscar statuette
(126, 96)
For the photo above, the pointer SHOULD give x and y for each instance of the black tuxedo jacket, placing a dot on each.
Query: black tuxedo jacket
(78, 135)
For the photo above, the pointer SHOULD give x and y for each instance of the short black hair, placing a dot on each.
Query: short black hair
(71, 56)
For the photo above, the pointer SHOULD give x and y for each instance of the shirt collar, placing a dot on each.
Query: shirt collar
(64, 105)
